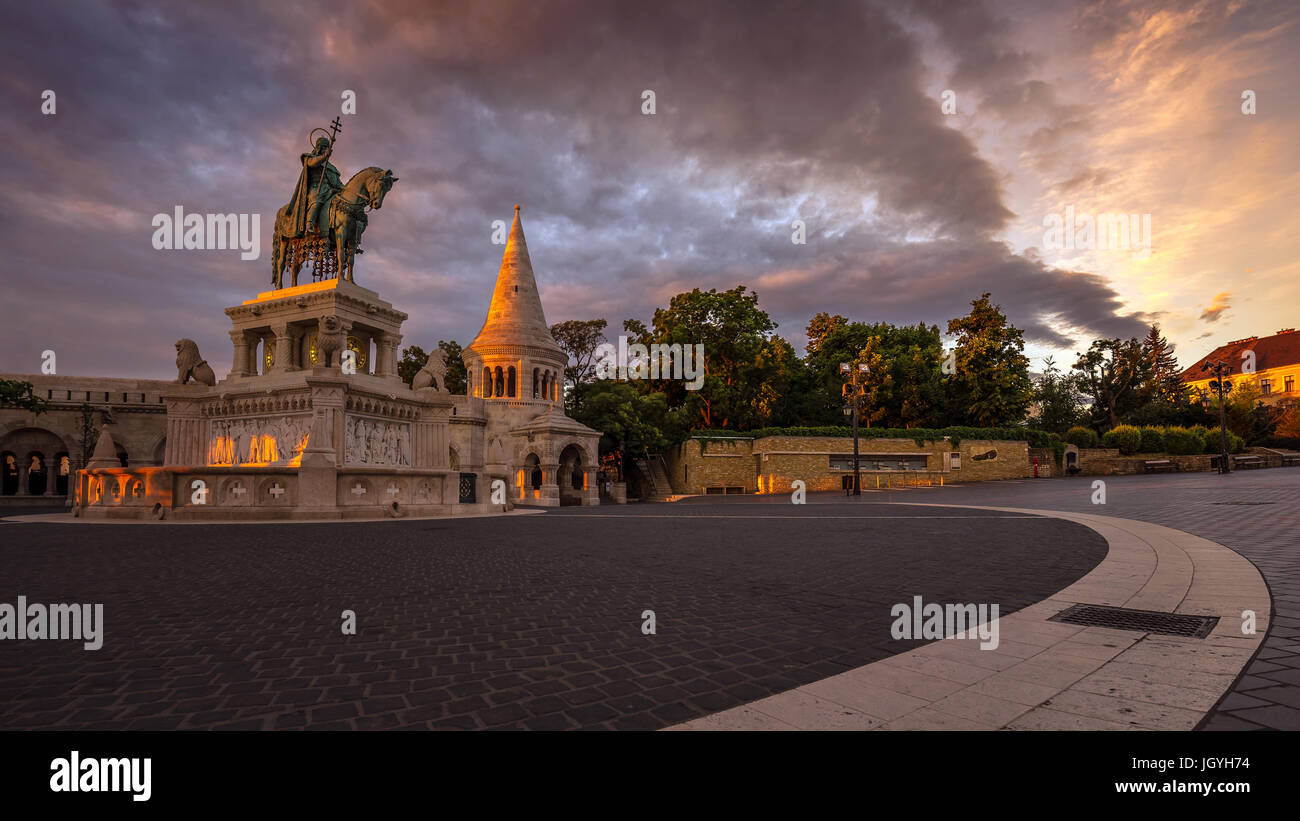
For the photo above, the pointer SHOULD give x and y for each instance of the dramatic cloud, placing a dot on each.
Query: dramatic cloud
(766, 113)
(1220, 303)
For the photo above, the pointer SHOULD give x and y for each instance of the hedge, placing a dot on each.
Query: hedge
(1182, 442)
(1125, 437)
(1081, 437)
(1153, 440)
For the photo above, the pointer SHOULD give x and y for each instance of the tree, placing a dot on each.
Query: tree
(413, 359)
(14, 393)
(991, 386)
(579, 339)
(623, 415)
(785, 396)
(1110, 372)
(1057, 398)
(1160, 378)
(734, 333)
(821, 325)
(910, 356)
(457, 376)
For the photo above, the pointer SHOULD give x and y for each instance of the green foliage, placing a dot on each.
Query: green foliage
(413, 359)
(457, 378)
(904, 387)
(1110, 372)
(15, 393)
(1153, 441)
(1180, 441)
(734, 332)
(991, 386)
(1081, 437)
(1125, 437)
(579, 339)
(1035, 438)
(1057, 396)
(1160, 381)
(1213, 441)
(623, 415)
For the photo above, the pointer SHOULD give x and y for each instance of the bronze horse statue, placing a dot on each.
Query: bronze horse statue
(335, 252)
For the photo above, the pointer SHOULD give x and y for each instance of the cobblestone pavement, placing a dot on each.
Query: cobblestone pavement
(530, 621)
(1254, 512)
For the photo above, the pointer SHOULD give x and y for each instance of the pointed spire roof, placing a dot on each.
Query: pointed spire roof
(515, 316)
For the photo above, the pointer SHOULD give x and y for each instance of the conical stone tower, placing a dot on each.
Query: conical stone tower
(514, 358)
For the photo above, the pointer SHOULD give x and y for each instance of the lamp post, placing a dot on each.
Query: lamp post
(855, 391)
(1219, 383)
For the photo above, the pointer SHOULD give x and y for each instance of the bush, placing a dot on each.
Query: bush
(1235, 443)
(1125, 437)
(1182, 442)
(1200, 431)
(1081, 437)
(1153, 440)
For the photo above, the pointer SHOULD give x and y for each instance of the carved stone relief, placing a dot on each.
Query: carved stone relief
(368, 441)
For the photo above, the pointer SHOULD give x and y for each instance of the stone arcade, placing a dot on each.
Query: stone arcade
(293, 433)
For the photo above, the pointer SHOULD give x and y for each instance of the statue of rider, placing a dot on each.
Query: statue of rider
(317, 185)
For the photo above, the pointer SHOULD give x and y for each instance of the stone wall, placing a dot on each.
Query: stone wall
(772, 463)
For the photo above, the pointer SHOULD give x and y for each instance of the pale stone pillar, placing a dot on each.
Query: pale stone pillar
(381, 355)
(550, 495)
(22, 478)
(283, 355)
(240, 366)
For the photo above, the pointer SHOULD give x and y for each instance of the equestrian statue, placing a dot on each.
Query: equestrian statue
(325, 218)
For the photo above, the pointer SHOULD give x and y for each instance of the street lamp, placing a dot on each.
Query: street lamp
(1219, 383)
(854, 390)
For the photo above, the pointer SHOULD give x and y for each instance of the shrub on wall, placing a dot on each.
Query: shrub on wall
(1153, 440)
(1081, 437)
(1125, 437)
(1235, 443)
(1182, 442)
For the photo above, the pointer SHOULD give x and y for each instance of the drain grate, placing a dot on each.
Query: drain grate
(1145, 621)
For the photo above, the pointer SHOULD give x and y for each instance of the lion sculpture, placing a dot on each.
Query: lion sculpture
(433, 374)
(191, 365)
(329, 341)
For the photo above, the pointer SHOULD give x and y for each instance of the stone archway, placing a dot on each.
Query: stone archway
(572, 478)
(27, 460)
(531, 478)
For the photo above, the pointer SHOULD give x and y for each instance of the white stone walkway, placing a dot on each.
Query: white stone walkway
(1050, 676)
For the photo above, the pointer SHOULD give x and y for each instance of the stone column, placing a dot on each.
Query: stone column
(550, 496)
(187, 440)
(22, 477)
(240, 365)
(51, 478)
(283, 353)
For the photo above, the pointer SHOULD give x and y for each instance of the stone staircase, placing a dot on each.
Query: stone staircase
(654, 470)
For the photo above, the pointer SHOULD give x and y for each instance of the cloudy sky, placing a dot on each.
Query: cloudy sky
(765, 113)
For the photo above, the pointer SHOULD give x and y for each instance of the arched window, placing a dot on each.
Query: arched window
(500, 388)
(554, 389)
(546, 384)
(487, 382)
(36, 473)
(535, 385)
(511, 386)
(9, 471)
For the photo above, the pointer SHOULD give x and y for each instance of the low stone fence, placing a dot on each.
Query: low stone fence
(266, 493)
